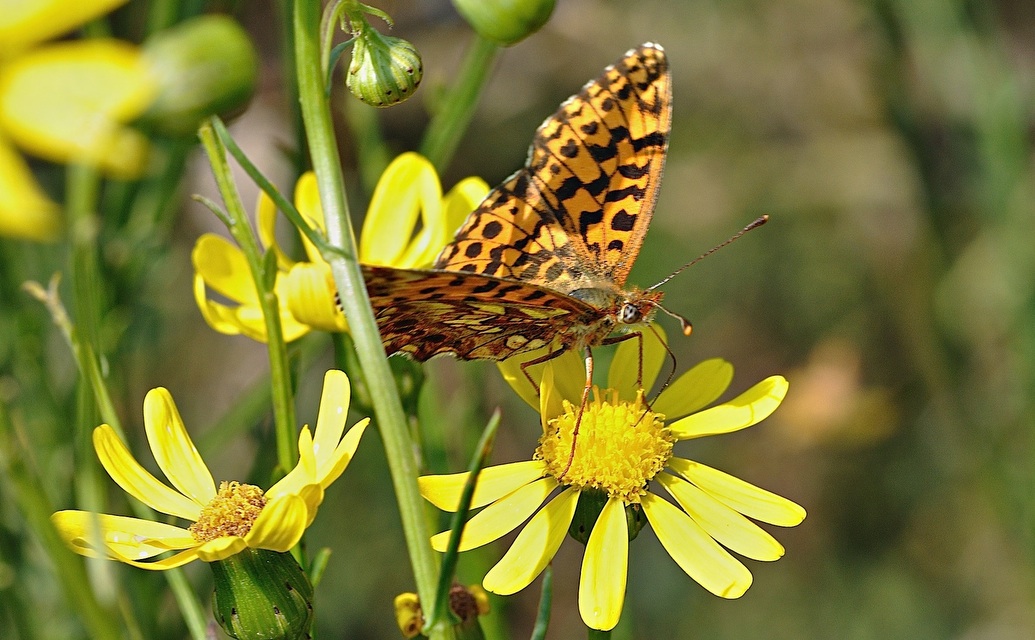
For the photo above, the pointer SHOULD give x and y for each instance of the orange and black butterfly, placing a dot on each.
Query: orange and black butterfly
(544, 259)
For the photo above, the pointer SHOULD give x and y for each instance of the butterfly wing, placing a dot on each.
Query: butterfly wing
(576, 215)
(471, 316)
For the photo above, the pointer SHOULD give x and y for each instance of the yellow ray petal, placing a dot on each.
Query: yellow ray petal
(625, 366)
(221, 548)
(280, 525)
(173, 561)
(342, 455)
(444, 491)
(173, 449)
(696, 553)
(224, 269)
(569, 375)
(604, 568)
(695, 389)
(500, 517)
(26, 23)
(136, 480)
(551, 404)
(408, 187)
(67, 102)
(747, 409)
(534, 547)
(25, 210)
(330, 419)
(745, 497)
(124, 537)
(726, 525)
(307, 298)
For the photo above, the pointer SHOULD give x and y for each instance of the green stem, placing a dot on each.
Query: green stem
(349, 280)
(264, 275)
(35, 507)
(456, 108)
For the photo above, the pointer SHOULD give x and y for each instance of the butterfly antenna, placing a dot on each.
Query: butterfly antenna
(754, 225)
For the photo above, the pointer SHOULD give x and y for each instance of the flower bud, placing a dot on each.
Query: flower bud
(203, 66)
(262, 594)
(384, 70)
(505, 22)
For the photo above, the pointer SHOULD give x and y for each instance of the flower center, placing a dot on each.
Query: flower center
(620, 446)
(231, 513)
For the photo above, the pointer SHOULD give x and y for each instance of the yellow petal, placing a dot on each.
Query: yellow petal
(226, 320)
(726, 525)
(123, 537)
(444, 491)
(408, 187)
(745, 497)
(696, 553)
(67, 102)
(266, 225)
(695, 389)
(308, 203)
(280, 525)
(26, 23)
(534, 547)
(747, 409)
(307, 291)
(137, 481)
(343, 453)
(625, 366)
(25, 210)
(569, 375)
(221, 548)
(302, 474)
(223, 267)
(173, 561)
(330, 420)
(604, 568)
(173, 449)
(500, 517)
(550, 403)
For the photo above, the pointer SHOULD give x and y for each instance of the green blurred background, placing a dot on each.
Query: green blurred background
(889, 141)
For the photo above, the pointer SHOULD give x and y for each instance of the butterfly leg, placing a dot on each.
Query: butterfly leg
(546, 357)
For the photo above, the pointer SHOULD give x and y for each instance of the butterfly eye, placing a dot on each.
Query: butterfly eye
(629, 314)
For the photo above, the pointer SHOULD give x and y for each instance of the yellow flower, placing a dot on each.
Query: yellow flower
(408, 193)
(623, 445)
(65, 102)
(226, 520)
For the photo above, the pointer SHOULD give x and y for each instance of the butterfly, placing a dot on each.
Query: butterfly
(544, 258)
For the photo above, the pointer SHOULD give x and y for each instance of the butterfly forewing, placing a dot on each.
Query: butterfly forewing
(576, 215)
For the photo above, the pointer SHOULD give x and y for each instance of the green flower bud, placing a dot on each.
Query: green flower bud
(505, 22)
(384, 70)
(262, 595)
(204, 66)
(591, 503)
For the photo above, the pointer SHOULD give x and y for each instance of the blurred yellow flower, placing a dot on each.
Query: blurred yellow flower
(623, 445)
(407, 224)
(227, 519)
(65, 102)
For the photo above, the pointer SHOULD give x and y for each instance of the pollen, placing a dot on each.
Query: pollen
(231, 513)
(619, 448)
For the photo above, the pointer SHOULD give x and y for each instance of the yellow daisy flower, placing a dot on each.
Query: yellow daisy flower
(227, 519)
(407, 224)
(65, 102)
(623, 446)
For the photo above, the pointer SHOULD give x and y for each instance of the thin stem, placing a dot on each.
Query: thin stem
(349, 280)
(264, 276)
(456, 108)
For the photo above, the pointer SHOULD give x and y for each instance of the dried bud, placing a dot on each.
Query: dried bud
(505, 22)
(204, 66)
(384, 70)
(262, 595)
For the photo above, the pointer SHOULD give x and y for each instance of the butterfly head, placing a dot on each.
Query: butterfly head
(640, 306)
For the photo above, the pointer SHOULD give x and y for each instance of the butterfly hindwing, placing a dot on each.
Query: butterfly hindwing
(471, 316)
